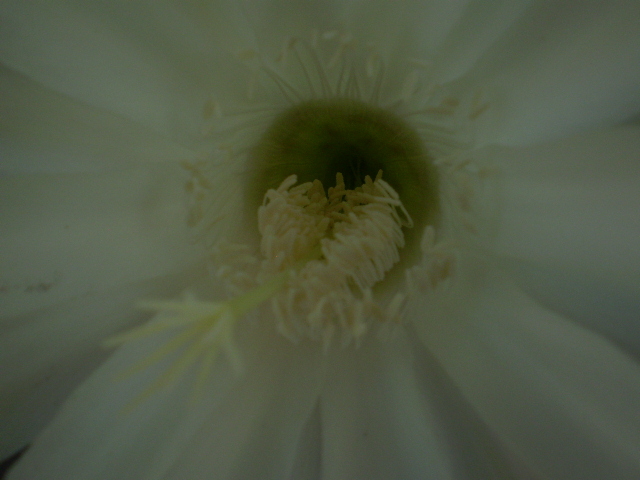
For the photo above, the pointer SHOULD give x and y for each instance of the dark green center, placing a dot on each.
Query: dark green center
(319, 138)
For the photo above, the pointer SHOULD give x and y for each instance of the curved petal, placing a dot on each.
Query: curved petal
(389, 411)
(474, 450)
(154, 64)
(66, 235)
(574, 205)
(308, 459)
(411, 28)
(570, 214)
(604, 306)
(563, 399)
(256, 429)
(563, 67)
(274, 22)
(376, 419)
(480, 25)
(237, 423)
(46, 354)
(43, 131)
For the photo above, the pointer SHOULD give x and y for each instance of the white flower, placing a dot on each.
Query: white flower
(101, 106)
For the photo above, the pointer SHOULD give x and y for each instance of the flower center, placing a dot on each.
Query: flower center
(328, 261)
(319, 138)
(322, 253)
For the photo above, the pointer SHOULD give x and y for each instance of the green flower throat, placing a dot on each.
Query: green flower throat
(319, 138)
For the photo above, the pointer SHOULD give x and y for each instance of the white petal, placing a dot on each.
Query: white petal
(574, 205)
(474, 451)
(376, 420)
(42, 131)
(308, 460)
(602, 304)
(46, 354)
(410, 29)
(153, 64)
(73, 234)
(561, 398)
(241, 423)
(255, 430)
(563, 67)
(475, 31)
(273, 22)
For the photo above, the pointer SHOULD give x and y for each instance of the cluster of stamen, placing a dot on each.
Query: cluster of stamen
(337, 246)
(321, 255)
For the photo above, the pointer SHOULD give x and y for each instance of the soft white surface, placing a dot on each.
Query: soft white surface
(570, 224)
(607, 307)
(573, 204)
(376, 420)
(561, 68)
(72, 234)
(154, 64)
(95, 94)
(44, 131)
(562, 398)
(254, 431)
(230, 433)
(45, 354)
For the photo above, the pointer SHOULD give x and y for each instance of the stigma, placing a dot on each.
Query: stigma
(321, 253)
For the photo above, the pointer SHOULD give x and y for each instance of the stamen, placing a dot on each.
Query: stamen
(377, 86)
(409, 86)
(341, 77)
(293, 46)
(322, 254)
(322, 74)
(354, 87)
(360, 233)
(285, 88)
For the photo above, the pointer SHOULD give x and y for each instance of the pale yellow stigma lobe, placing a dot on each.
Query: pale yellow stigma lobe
(321, 255)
